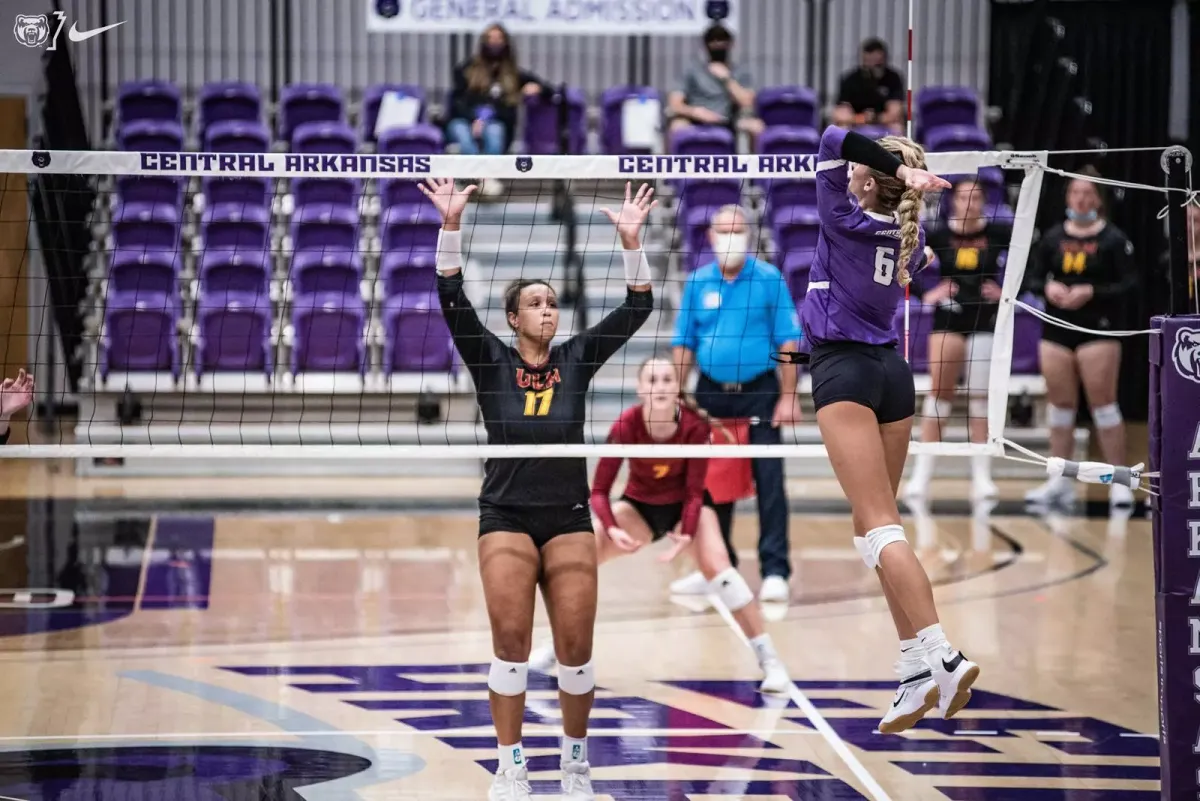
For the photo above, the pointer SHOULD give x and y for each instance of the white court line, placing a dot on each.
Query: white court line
(1138, 734)
(1058, 734)
(814, 717)
(10, 798)
(532, 731)
(979, 732)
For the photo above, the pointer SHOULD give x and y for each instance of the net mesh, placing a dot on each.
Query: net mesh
(286, 302)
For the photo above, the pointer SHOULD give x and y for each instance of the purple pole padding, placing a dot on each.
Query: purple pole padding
(1175, 455)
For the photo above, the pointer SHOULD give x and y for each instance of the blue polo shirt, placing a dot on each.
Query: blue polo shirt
(733, 326)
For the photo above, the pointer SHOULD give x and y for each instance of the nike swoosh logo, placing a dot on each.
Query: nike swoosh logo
(953, 664)
(76, 35)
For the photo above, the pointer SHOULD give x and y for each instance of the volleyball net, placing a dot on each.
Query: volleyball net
(283, 305)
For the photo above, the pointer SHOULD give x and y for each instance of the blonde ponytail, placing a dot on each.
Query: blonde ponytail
(909, 212)
(893, 195)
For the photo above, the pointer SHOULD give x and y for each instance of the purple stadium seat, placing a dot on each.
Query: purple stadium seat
(796, 273)
(415, 336)
(399, 192)
(333, 191)
(153, 136)
(406, 273)
(612, 105)
(541, 123)
(144, 273)
(945, 105)
(787, 105)
(873, 131)
(241, 271)
(149, 100)
(229, 100)
(1027, 335)
(153, 189)
(954, 138)
(233, 333)
(782, 140)
(233, 226)
(245, 190)
(782, 194)
(323, 137)
(702, 140)
(920, 323)
(323, 227)
(237, 136)
(373, 99)
(308, 102)
(140, 334)
(707, 195)
(796, 230)
(315, 272)
(695, 257)
(421, 140)
(329, 334)
(141, 226)
(410, 229)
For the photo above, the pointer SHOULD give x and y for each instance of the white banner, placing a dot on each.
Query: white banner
(559, 17)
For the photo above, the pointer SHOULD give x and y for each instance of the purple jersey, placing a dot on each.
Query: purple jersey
(853, 293)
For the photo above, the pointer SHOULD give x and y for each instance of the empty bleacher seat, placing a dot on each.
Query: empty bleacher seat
(787, 193)
(324, 226)
(234, 226)
(143, 273)
(410, 229)
(787, 105)
(541, 131)
(702, 140)
(149, 100)
(323, 137)
(796, 230)
(945, 105)
(406, 272)
(328, 333)
(153, 189)
(146, 226)
(233, 333)
(415, 336)
(949, 138)
(165, 136)
(309, 102)
(140, 334)
(229, 100)
(238, 271)
(244, 190)
(785, 140)
(314, 272)
(612, 111)
(422, 139)
(399, 192)
(332, 191)
(237, 136)
(1027, 336)
(373, 99)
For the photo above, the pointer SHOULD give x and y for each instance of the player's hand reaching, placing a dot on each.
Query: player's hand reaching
(679, 544)
(15, 394)
(921, 179)
(622, 540)
(632, 215)
(448, 200)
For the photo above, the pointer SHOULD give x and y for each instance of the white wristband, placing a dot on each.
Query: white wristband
(449, 251)
(637, 268)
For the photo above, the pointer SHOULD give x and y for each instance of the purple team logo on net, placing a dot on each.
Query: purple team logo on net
(1186, 353)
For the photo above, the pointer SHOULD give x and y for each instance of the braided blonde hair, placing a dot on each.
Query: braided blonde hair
(892, 195)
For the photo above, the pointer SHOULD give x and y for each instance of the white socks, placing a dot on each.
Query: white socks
(912, 659)
(512, 757)
(764, 649)
(933, 640)
(574, 750)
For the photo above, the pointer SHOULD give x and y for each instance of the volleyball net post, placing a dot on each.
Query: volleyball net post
(1174, 424)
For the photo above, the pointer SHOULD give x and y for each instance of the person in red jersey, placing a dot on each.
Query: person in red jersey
(666, 498)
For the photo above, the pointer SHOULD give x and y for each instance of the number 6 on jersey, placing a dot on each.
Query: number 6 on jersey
(885, 265)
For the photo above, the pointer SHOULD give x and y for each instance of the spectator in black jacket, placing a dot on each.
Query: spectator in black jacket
(487, 92)
(15, 395)
(872, 93)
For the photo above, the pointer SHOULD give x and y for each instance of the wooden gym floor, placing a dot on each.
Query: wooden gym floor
(326, 639)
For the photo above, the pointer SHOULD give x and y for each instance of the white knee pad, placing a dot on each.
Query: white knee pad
(1107, 416)
(979, 363)
(508, 678)
(933, 407)
(1058, 417)
(576, 680)
(978, 408)
(872, 545)
(731, 588)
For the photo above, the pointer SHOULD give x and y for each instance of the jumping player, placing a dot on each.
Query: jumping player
(666, 497)
(534, 523)
(863, 391)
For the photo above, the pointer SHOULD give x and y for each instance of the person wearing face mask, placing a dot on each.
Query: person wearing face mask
(734, 313)
(1084, 269)
(715, 90)
(873, 93)
(483, 102)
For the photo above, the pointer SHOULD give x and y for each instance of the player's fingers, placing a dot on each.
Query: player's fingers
(678, 546)
(468, 189)
(628, 190)
(609, 214)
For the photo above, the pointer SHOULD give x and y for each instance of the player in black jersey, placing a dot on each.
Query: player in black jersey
(965, 267)
(1084, 269)
(535, 525)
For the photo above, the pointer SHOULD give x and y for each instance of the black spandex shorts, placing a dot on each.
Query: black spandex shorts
(875, 376)
(662, 518)
(541, 523)
(1071, 340)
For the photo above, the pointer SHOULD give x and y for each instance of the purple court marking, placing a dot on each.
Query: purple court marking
(180, 571)
(1040, 770)
(1044, 794)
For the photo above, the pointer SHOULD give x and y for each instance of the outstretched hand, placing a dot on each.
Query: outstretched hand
(622, 540)
(922, 180)
(448, 200)
(632, 215)
(16, 394)
(679, 544)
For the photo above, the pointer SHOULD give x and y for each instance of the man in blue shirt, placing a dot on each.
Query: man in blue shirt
(735, 312)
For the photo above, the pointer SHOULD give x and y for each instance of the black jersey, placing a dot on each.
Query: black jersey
(524, 404)
(1105, 261)
(968, 260)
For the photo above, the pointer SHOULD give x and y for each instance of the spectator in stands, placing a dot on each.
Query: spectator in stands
(872, 94)
(714, 90)
(735, 312)
(15, 395)
(487, 92)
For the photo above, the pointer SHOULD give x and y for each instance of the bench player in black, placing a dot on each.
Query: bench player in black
(535, 524)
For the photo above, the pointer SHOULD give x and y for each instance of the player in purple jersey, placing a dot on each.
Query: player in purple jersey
(870, 243)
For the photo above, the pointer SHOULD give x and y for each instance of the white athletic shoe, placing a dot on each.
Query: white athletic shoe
(543, 659)
(691, 584)
(954, 674)
(913, 699)
(1053, 492)
(776, 680)
(577, 782)
(1120, 496)
(510, 785)
(774, 590)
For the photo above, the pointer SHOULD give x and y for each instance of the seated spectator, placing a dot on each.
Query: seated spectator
(15, 395)
(483, 104)
(872, 94)
(714, 90)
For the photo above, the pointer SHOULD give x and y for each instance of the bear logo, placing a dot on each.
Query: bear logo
(41, 159)
(524, 163)
(32, 30)
(387, 8)
(1186, 353)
